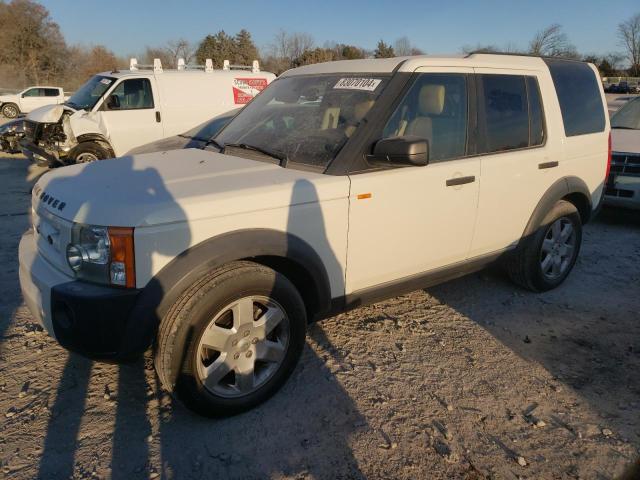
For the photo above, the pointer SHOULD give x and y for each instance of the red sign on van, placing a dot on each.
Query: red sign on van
(244, 89)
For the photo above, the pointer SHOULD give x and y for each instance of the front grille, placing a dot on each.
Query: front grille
(627, 164)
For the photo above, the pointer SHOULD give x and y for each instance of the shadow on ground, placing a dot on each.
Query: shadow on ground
(592, 343)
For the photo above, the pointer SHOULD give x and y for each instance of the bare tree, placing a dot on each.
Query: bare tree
(552, 42)
(629, 35)
(180, 48)
(287, 49)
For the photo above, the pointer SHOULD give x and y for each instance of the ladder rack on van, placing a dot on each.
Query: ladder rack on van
(207, 67)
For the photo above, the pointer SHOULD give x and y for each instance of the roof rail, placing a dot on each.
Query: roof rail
(156, 66)
(254, 67)
(516, 54)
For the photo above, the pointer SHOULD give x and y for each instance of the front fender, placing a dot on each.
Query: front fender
(165, 288)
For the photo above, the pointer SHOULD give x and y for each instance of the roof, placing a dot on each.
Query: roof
(409, 64)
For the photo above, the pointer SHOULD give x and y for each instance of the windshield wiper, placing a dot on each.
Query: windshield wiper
(211, 141)
(283, 159)
(625, 128)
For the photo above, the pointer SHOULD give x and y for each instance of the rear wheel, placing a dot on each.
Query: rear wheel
(10, 110)
(232, 339)
(547, 256)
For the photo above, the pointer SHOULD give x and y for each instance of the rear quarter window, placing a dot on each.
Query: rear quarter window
(579, 95)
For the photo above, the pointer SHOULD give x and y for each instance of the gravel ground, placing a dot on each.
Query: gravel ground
(472, 379)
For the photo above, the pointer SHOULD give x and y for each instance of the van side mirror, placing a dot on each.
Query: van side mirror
(113, 103)
(408, 150)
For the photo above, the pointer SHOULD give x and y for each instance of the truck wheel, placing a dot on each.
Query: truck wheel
(87, 152)
(10, 110)
(546, 257)
(232, 339)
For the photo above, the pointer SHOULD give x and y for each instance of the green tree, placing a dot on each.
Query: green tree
(245, 50)
(383, 50)
(218, 48)
(317, 55)
(350, 52)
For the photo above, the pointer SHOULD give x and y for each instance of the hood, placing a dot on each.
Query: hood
(176, 186)
(623, 140)
(47, 114)
(172, 143)
(8, 98)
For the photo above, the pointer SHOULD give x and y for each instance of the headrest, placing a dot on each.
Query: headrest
(431, 101)
(362, 108)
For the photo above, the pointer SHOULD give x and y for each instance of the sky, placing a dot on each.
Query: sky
(436, 27)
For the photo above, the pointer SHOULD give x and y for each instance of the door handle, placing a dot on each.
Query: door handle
(158, 118)
(544, 165)
(460, 180)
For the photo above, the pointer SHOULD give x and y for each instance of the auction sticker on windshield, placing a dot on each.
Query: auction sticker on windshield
(367, 84)
(244, 89)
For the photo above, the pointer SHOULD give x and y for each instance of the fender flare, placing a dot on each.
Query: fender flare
(96, 138)
(562, 188)
(162, 291)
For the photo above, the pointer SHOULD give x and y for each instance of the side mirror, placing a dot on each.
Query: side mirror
(408, 150)
(113, 103)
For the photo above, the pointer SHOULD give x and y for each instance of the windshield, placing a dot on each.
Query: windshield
(88, 94)
(304, 119)
(628, 116)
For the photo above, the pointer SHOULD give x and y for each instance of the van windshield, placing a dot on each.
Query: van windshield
(88, 94)
(303, 119)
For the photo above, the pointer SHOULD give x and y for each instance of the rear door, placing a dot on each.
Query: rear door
(131, 114)
(519, 159)
(410, 220)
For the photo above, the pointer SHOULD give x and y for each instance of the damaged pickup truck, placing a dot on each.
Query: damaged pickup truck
(117, 111)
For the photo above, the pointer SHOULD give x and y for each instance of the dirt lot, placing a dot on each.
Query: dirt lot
(472, 379)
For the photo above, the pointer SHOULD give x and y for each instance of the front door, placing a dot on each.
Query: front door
(410, 220)
(130, 115)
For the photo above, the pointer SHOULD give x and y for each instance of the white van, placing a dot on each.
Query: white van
(29, 99)
(117, 111)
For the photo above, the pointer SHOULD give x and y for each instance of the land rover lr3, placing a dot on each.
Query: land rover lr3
(341, 184)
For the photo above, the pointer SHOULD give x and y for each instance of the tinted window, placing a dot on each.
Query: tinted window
(579, 96)
(434, 108)
(504, 112)
(134, 94)
(50, 92)
(536, 115)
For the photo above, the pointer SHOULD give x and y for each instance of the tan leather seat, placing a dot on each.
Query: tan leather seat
(430, 105)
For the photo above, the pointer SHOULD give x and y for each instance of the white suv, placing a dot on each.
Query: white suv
(341, 184)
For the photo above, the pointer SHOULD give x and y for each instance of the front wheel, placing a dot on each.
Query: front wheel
(546, 257)
(87, 152)
(232, 339)
(10, 110)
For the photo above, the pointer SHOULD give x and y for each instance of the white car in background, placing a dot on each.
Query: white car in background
(623, 183)
(29, 99)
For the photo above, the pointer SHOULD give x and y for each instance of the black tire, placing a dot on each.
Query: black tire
(87, 152)
(176, 353)
(10, 110)
(525, 266)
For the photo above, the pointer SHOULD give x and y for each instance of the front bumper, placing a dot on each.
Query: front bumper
(83, 317)
(623, 191)
(38, 154)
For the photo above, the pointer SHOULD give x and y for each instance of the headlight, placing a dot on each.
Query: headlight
(102, 254)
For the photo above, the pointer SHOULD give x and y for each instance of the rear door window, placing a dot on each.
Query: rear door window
(50, 92)
(578, 92)
(504, 112)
